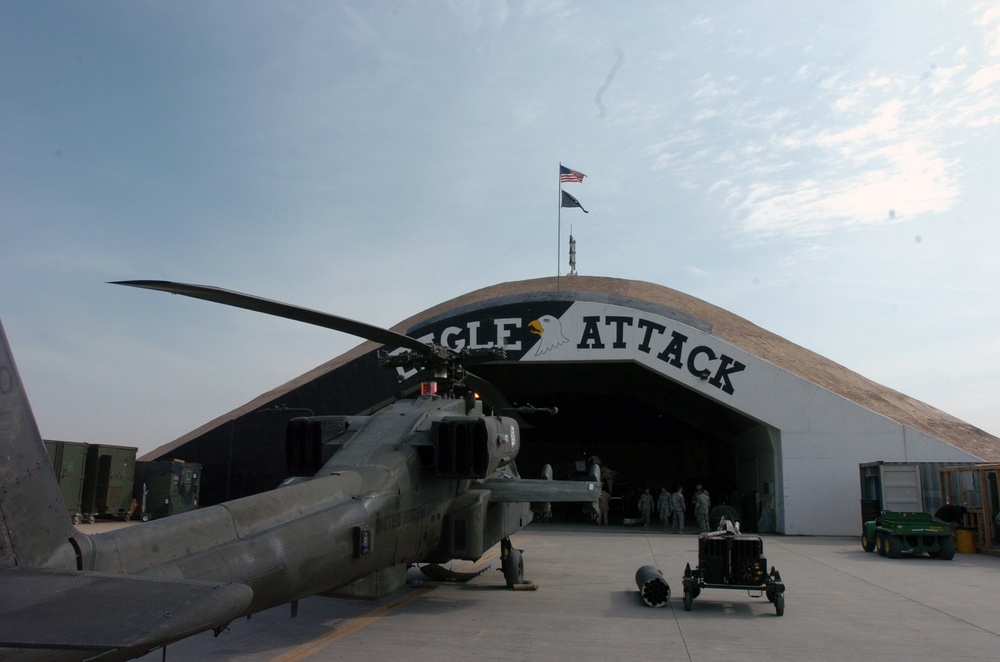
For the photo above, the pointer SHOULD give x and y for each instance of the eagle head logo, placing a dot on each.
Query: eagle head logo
(549, 331)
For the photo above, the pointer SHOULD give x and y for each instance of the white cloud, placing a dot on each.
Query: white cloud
(992, 35)
(824, 146)
(983, 78)
(697, 271)
(943, 79)
(876, 154)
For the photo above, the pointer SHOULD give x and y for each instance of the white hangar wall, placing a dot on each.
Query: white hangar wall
(817, 438)
(823, 437)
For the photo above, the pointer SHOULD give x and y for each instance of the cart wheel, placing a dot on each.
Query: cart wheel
(145, 517)
(867, 543)
(77, 519)
(895, 547)
(127, 517)
(880, 543)
(947, 551)
(779, 604)
(688, 599)
(91, 519)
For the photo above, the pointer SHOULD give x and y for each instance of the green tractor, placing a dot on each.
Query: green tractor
(892, 534)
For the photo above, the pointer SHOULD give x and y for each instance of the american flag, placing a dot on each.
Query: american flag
(567, 175)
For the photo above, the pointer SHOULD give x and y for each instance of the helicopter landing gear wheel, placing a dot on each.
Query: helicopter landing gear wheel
(512, 563)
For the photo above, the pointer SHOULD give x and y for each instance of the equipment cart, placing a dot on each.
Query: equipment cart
(892, 534)
(728, 559)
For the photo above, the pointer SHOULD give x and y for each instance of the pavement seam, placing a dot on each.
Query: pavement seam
(670, 603)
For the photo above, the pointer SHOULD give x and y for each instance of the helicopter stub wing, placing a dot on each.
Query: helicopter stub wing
(85, 611)
(539, 490)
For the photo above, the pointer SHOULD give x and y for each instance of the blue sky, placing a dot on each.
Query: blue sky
(825, 170)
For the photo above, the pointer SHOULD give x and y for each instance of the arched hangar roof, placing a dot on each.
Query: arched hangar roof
(695, 312)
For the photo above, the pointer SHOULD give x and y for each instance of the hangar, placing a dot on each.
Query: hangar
(665, 388)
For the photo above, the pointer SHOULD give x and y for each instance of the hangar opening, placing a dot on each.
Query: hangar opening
(647, 432)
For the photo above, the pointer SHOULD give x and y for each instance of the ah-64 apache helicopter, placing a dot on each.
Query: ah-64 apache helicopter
(423, 480)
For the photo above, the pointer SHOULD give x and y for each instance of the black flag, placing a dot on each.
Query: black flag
(569, 201)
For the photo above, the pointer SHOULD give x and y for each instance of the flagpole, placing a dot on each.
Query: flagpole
(559, 225)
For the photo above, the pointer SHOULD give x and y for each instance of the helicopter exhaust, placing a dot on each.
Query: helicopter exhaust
(473, 447)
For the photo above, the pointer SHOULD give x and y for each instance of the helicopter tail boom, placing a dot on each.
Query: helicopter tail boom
(40, 579)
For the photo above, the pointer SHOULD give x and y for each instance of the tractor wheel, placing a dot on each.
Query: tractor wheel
(779, 604)
(947, 551)
(867, 543)
(688, 599)
(881, 545)
(895, 548)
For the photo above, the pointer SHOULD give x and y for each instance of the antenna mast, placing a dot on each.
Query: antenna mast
(572, 253)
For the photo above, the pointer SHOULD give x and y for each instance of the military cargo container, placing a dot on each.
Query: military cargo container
(169, 487)
(107, 484)
(69, 459)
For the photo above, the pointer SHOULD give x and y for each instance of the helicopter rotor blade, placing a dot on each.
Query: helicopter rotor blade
(288, 311)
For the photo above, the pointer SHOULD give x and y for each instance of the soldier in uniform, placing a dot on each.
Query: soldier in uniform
(646, 507)
(702, 504)
(677, 509)
(663, 507)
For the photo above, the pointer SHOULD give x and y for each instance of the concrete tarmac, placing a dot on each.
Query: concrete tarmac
(841, 603)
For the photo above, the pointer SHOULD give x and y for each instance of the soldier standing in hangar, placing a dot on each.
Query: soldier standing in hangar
(702, 505)
(663, 507)
(677, 509)
(646, 507)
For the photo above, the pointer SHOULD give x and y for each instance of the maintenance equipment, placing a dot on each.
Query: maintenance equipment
(731, 560)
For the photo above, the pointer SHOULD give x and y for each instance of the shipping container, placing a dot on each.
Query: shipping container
(905, 487)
